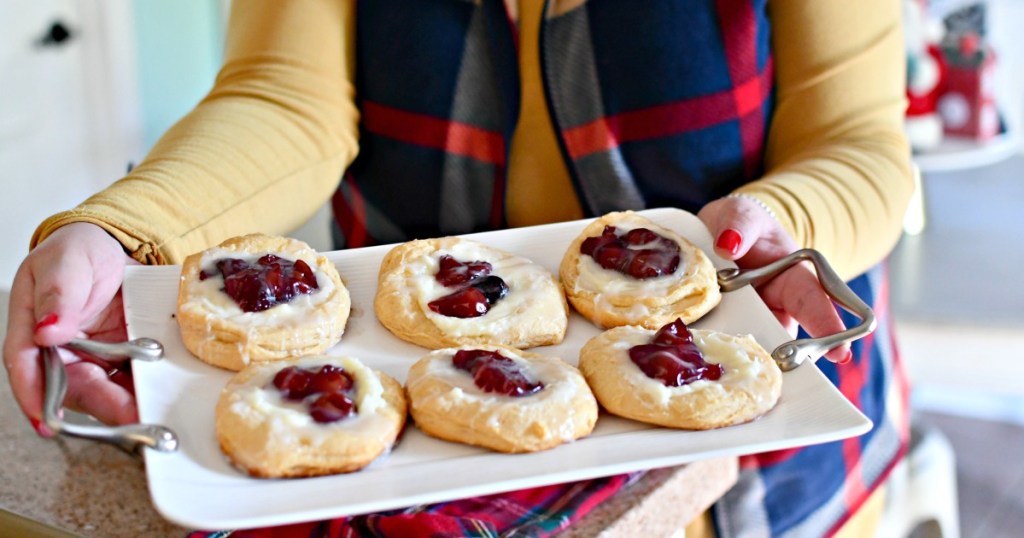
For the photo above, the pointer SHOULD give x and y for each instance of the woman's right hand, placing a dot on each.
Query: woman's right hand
(68, 287)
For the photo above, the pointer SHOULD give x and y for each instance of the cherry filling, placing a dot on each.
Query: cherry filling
(639, 253)
(268, 282)
(673, 358)
(493, 372)
(325, 391)
(452, 272)
(331, 407)
(479, 292)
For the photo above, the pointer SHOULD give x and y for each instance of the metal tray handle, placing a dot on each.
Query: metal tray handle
(791, 354)
(144, 349)
(131, 437)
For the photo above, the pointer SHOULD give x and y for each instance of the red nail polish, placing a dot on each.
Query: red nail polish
(42, 429)
(49, 319)
(729, 240)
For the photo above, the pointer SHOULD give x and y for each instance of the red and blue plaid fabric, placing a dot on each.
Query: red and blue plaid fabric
(812, 491)
(438, 88)
(534, 512)
(658, 103)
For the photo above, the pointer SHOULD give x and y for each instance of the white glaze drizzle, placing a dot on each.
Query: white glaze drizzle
(530, 286)
(290, 422)
(740, 368)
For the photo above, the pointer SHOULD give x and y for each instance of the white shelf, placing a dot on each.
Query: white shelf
(960, 153)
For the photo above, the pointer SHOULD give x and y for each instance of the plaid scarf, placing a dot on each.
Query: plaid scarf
(438, 89)
(533, 512)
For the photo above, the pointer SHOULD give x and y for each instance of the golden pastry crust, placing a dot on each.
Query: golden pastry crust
(445, 403)
(689, 293)
(534, 313)
(749, 387)
(268, 437)
(218, 332)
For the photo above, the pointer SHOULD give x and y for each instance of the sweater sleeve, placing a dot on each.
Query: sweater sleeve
(261, 152)
(838, 172)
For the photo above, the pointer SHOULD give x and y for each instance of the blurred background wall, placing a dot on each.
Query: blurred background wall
(180, 49)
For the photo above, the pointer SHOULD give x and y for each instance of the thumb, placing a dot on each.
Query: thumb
(735, 225)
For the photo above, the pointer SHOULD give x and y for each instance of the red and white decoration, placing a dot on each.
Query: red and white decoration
(968, 101)
(926, 72)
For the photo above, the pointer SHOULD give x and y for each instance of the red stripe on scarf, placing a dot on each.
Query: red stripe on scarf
(430, 132)
(851, 383)
(881, 306)
(351, 217)
(607, 133)
(738, 24)
(767, 459)
(899, 373)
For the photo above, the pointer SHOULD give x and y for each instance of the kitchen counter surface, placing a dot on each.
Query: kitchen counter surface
(70, 485)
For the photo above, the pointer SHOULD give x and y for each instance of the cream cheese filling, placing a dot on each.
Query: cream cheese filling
(550, 373)
(559, 390)
(290, 421)
(530, 287)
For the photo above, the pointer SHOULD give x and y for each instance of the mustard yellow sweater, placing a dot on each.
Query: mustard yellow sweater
(266, 147)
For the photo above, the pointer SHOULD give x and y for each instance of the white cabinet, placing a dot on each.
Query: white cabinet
(69, 114)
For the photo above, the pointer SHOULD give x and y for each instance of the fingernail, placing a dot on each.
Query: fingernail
(847, 358)
(42, 429)
(729, 240)
(49, 319)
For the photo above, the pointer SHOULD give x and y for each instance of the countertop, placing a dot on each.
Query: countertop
(71, 485)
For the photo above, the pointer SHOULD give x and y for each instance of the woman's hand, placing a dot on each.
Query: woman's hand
(67, 287)
(745, 232)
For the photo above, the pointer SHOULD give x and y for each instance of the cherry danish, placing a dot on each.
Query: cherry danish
(500, 398)
(680, 377)
(453, 291)
(313, 416)
(260, 298)
(624, 269)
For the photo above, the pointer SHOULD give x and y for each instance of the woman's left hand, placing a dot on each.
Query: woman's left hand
(744, 232)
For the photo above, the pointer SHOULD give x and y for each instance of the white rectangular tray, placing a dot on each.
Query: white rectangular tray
(196, 486)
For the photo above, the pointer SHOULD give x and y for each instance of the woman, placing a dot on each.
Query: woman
(780, 124)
